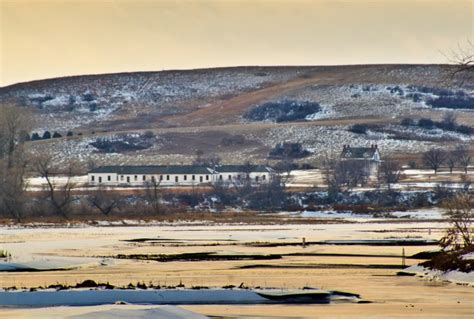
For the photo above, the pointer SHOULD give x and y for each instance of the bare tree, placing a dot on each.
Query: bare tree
(13, 187)
(331, 177)
(274, 194)
(246, 171)
(466, 181)
(212, 160)
(14, 122)
(449, 120)
(459, 212)
(198, 160)
(463, 59)
(104, 200)
(59, 194)
(434, 158)
(451, 161)
(91, 164)
(225, 193)
(353, 173)
(331, 180)
(463, 156)
(284, 168)
(153, 194)
(390, 172)
(349, 174)
(243, 184)
(270, 196)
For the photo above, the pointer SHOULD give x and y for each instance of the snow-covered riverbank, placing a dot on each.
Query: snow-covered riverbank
(454, 276)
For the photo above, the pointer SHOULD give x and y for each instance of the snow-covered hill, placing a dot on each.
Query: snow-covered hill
(200, 109)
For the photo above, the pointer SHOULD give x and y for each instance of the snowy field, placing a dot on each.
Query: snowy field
(347, 255)
(298, 178)
(39, 183)
(410, 179)
(418, 214)
(93, 297)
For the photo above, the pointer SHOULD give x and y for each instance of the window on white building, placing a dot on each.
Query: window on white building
(92, 178)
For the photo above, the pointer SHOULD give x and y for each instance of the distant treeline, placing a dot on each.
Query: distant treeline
(46, 135)
(445, 124)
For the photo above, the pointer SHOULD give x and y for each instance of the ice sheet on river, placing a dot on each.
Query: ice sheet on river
(163, 312)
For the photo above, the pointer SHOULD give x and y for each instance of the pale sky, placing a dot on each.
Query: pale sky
(49, 38)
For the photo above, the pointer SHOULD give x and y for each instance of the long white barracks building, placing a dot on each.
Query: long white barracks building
(187, 175)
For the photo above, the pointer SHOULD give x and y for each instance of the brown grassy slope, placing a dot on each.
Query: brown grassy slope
(224, 112)
(229, 111)
(211, 109)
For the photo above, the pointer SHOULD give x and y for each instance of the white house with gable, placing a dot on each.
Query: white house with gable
(369, 155)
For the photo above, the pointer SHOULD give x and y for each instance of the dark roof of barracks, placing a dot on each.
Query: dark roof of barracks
(181, 169)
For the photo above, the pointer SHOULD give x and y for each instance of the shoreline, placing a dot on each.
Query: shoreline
(302, 217)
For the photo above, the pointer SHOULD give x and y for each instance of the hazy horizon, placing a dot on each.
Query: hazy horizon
(47, 39)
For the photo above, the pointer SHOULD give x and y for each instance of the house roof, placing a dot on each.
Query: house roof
(243, 168)
(181, 169)
(153, 169)
(359, 152)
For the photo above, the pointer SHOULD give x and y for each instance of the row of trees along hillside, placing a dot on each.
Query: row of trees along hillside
(460, 156)
(46, 135)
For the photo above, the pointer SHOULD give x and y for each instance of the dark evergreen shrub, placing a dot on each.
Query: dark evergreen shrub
(452, 102)
(359, 128)
(46, 135)
(283, 111)
(407, 122)
(288, 150)
(426, 123)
